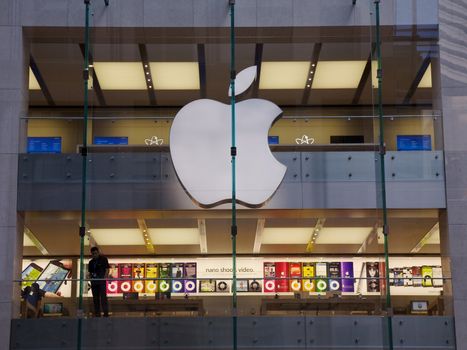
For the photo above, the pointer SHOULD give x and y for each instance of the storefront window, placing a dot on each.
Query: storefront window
(313, 247)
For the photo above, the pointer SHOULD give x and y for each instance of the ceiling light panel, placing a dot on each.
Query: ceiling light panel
(426, 79)
(338, 74)
(119, 236)
(33, 83)
(343, 235)
(175, 75)
(174, 236)
(120, 75)
(286, 235)
(284, 75)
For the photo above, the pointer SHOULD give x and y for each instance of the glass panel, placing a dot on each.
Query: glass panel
(311, 258)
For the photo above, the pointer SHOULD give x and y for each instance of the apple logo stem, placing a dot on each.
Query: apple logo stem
(203, 164)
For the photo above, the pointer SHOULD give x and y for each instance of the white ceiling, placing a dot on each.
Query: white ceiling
(285, 232)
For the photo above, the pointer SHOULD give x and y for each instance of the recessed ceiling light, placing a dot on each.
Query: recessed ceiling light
(119, 236)
(174, 236)
(286, 235)
(284, 75)
(338, 74)
(120, 75)
(175, 75)
(33, 83)
(343, 235)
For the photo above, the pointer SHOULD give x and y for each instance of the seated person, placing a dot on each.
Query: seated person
(33, 297)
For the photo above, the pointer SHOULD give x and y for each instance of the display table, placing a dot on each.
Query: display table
(152, 305)
(370, 306)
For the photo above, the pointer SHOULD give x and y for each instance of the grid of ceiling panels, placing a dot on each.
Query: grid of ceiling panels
(279, 235)
(175, 74)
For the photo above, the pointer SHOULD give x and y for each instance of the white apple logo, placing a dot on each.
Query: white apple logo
(200, 141)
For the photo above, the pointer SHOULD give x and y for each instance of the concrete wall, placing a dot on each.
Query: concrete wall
(13, 103)
(16, 14)
(213, 13)
(453, 60)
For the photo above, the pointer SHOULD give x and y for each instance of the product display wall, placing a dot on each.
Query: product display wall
(53, 276)
(268, 276)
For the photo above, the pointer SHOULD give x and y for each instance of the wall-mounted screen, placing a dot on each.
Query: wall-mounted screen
(414, 142)
(110, 140)
(273, 140)
(44, 145)
(347, 139)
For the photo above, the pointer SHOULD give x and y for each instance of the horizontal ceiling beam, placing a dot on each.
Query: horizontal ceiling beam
(434, 230)
(258, 236)
(37, 243)
(203, 242)
(146, 237)
(40, 80)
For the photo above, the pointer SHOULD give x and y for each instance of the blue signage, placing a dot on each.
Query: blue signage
(44, 144)
(414, 142)
(273, 140)
(111, 140)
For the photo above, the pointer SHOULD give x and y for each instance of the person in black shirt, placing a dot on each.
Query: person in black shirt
(33, 296)
(99, 268)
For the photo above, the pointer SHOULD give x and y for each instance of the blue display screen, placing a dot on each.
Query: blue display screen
(273, 140)
(44, 144)
(414, 142)
(111, 140)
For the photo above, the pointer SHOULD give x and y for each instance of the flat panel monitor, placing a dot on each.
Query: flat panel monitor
(111, 140)
(30, 274)
(273, 140)
(52, 277)
(414, 142)
(419, 306)
(53, 308)
(44, 144)
(347, 139)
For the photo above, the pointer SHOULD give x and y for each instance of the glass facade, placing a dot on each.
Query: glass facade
(346, 249)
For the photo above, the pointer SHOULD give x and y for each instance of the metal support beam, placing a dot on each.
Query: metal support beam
(418, 77)
(145, 233)
(92, 241)
(40, 80)
(37, 243)
(259, 236)
(369, 239)
(311, 243)
(96, 86)
(433, 231)
(311, 73)
(202, 70)
(363, 80)
(147, 73)
(203, 242)
(258, 62)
